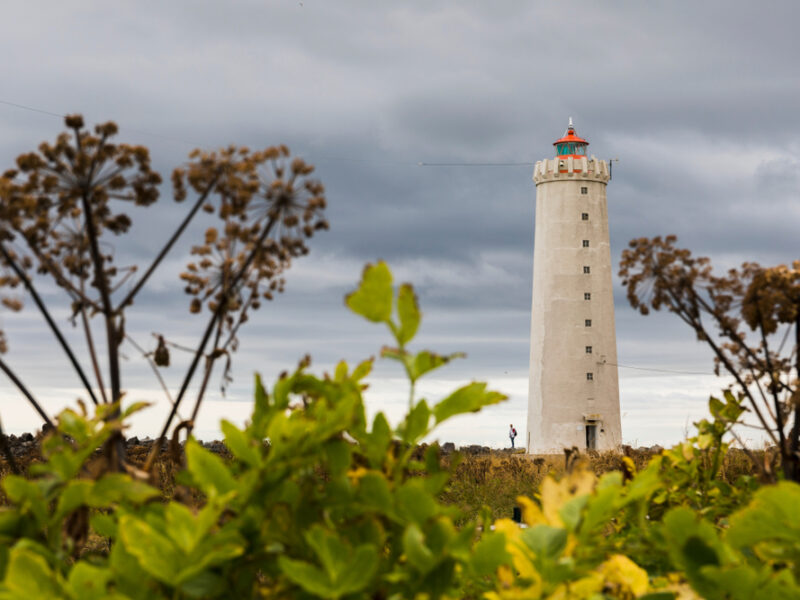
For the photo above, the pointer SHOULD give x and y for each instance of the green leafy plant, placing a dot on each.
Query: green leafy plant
(315, 502)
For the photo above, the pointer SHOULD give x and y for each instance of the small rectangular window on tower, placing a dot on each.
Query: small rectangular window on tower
(590, 377)
(588, 349)
(588, 322)
(584, 216)
(584, 190)
(585, 243)
(587, 296)
(587, 270)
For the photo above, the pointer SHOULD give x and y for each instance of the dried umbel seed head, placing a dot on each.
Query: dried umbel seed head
(267, 211)
(45, 203)
(74, 121)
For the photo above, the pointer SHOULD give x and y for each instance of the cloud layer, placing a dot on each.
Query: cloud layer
(697, 100)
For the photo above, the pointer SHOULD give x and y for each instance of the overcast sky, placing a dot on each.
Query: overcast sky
(698, 100)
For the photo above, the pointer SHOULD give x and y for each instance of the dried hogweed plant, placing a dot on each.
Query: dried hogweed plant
(749, 317)
(60, 208)
(267, 210)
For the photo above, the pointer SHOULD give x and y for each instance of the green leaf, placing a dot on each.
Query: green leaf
(261, 410)
(221, 547)
(770, 523)
(88, 582)
(208, 470)
(426, 361)
(699, 553)
(76, 493)
(133, 409)
(645, 483)
(129, 578)
(408, 312)
(338, 454)
(602, 506)
(376, 443)
(489, 553)
(715, 406)
(312, 579)
(414, 502)
(118, 488)
(470, 398)
(546, 541)
(359, 571)
(340, 373)
(417, 553)
(205, 585)
(29, 576)
(330, 550)
(153, 551)
(345, 573)
(27, 495)
(240, 445)
(416, 424)
(182, 527)
(373, 491)
(694, 548)
(572, 511)
(362, 370)
(103, 524)
(373, 298)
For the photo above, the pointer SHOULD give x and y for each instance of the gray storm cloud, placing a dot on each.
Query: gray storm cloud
(698, 101)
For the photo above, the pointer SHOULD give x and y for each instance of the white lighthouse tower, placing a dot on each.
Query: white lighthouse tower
(573, 395)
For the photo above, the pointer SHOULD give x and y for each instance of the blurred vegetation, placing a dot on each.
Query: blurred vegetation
(314, 502)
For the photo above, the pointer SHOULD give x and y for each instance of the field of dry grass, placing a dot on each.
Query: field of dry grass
(493, 480)
(496, 480)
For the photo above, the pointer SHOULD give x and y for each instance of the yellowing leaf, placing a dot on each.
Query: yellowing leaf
(531, 513)
(557, 493)
(408, 311)
(373, 298)
(624, 577)
(521, 556)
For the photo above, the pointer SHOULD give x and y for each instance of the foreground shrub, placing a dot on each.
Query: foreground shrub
(317, 503)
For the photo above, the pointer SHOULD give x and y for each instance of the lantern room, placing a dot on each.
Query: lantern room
(570, 144)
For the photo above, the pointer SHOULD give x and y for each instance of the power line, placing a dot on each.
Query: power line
(38, 110)
(506, 164)
(658, 370)
(311, 155)
(139, 131)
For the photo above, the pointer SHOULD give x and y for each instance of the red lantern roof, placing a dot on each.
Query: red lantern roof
(571, 144)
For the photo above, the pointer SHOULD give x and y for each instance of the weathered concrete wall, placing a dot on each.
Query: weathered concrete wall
(562, 400)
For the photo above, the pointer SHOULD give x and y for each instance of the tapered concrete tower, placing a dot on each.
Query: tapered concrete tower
(573, 395)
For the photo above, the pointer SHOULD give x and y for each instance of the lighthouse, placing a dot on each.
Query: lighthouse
(573, 394)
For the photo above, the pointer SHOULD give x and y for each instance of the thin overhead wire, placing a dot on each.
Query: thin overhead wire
(311, 154)
(30, 108)
(139, 131)
(659, 370)
(467, 164)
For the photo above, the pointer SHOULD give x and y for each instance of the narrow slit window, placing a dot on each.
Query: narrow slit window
(584, 216)
(587, 296)
(588, 322)
(584, 190)
(585, 243)
(590, 377)
(588, 349)
(587, 270)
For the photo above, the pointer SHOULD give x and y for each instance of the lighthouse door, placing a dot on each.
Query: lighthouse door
(591, 436)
